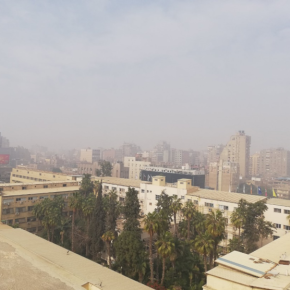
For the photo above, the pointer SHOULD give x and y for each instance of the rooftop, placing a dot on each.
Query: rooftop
(40, 191)
(225, 196)
(170, 170)
(260, 269)
(120, 181)
(39, 264)
(3, 185)
(19, 167)
(279, 201)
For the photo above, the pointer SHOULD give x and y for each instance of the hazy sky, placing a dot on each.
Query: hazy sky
(97, 73)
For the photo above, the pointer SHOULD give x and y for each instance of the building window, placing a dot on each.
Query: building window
(286, 211)
(182, 197)
(31, 219)
(157, 197)
(277, 210)
(7, 201)
(223, 207)
(208, 204)
(45, 186)
(195, 202)
(277, 226)
(30, 208)
(287, 228)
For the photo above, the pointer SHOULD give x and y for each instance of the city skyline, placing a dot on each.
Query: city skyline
(100, 73)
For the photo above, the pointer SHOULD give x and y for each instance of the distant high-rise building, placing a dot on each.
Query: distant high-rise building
(274, 162)
(179, 157)
(255, 165)
(4, 142)
(237, 151)
(214, 152)
(223, 175)
(90, 155)
(130, 150)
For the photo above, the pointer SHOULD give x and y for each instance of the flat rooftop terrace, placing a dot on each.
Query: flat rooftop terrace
(225, 196)
(121, 181)
(30, 262)
(40, 191)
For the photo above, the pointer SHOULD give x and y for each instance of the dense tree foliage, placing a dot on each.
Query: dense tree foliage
(177, 246)
(105, 170)
(250, 218)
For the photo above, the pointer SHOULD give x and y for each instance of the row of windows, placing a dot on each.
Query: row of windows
(17, 210)
(278, 210)
(19, 220)
(31, 198)
(285, 227)
(31, 178)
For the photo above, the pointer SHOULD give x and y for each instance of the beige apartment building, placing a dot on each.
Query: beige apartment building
(237, 150)
(275, 162)
(90, 155)
(255, 165)
(22, 174)
(18, 200)
(135, 166)
(223, 176)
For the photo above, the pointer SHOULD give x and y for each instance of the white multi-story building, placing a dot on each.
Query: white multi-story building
(205, 200)
(135, 166)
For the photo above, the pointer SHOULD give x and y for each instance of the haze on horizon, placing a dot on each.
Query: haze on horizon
(99, 73)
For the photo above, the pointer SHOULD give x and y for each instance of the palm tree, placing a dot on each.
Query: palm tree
(199, 222)
(37, 212)
(165, 248)
(237, 220)
(151, 226)
(75, 203)
(107, 237)
(216, 227)
(88, 205)
(178, 250)
(204, 244)
(188, 212)
(175, 207)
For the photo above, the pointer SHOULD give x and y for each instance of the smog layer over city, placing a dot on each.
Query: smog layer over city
(144, 140)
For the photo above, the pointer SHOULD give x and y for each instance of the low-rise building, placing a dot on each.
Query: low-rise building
(88, 168)
(205, 200)
(22, 174)
(18, 200)
(267, 268)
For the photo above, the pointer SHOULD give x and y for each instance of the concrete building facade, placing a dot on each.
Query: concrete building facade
(18, 200)
(90, 155)
(237, 150)
(135, 166)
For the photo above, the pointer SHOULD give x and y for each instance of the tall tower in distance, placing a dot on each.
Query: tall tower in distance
(237, 150)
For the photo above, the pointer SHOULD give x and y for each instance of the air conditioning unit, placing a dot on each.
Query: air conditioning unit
(17, 213)
(21, 202)
(8, 203)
